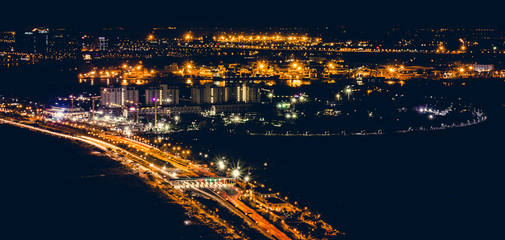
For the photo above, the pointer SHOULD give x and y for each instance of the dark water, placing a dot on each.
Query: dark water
(55, 189)
(427, 185)
(437, 185)
(42, 81)
(442, 185)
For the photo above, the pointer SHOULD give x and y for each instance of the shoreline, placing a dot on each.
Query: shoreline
(141, 173)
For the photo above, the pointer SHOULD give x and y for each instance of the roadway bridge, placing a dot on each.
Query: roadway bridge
(208, 182)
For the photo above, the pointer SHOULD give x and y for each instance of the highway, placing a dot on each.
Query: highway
(262, 222)
(237, 207)
(178, 163)
(226, 204)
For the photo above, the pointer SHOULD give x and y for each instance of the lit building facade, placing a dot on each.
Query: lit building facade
(102, 44)
(244, 93)
(33, 41)
(163, 95)
(209, 94)
(231, 93)
(118, 97)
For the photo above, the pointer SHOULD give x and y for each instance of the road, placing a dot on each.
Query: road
(234, 205)
(262, 222)
(239, 207)
(226, 204)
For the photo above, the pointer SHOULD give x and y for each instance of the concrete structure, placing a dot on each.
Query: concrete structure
(166, 111)
(263, 193)
(200, 182)
(33, 41)
(274, 204)
(239, 92)
(227, 108)
(209, 94)
(102, 44)
(244, 93)
(269, 200)
(118, 97)
(163, 95)
(483, 67)
(195, 109)
(66, 113)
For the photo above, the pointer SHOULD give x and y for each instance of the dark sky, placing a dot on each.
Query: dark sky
(252, 13)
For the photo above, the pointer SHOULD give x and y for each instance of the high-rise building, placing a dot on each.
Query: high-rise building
(232, 92)
(244, 93)
(117, 97)
(62, 40)
(162, 94)
(102, 44)
(33, 41)
(200, 94)
(209, 94)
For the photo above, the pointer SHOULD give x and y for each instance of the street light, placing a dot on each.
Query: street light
(221, 165)
(155, 111)
(235, 173)
(270, 95)
(348, 90)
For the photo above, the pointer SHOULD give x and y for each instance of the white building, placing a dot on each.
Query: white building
(244, 93)
(483, 67)
(66, 113)
(102, 43)
(231, 93)
(118, 97)
(209, 94)
(162, 94)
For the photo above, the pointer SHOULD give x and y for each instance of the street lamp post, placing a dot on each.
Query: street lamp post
(72, 101)
(155, 111)
(137, 111)
(93, 106)
(270, 95)
(348, 91)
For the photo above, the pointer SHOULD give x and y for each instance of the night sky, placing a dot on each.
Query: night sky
(256, 13)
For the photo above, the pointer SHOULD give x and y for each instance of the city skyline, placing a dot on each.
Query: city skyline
(255, 120)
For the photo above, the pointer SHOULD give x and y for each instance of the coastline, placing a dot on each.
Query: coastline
(121, 169)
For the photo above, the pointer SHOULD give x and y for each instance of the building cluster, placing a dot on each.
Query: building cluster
(58, 43)
(161, 95)
(64, 113)
(295, 72)
(239, 92)
(119, 97)
(124, 96)
(267, 199)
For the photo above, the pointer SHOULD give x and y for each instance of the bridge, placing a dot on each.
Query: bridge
(208, 182)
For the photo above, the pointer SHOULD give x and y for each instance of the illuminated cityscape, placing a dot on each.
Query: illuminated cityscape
(277, 120)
